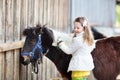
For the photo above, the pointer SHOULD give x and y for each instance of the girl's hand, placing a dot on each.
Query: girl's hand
(59, 40)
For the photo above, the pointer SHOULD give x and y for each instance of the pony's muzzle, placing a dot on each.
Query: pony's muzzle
(26, 60)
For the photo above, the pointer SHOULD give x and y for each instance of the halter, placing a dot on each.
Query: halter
(32, 53)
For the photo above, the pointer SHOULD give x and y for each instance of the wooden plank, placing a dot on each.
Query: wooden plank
(16, 64)
(44, 69)
(11, 46)
(1, 17)
(23, 74)
(2, 66)
(9, 38)
(53, 70)
(51, 13)
(48, 74)
(56, 9)
(16, 25)
(29, 72)
(60, 16)
(16, 20)
(1, 7)
(66, 16)
(45, 12)
(36, 4)
(40, 72)
(48, 11)
(9, 66)
(23, 25)
(30, 13)
(2, 28)
(56, 78)
(23, 20)
(3, 40)
(40, 12)
(34, 76)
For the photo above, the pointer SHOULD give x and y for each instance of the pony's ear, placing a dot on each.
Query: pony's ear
(38, 30)
(38, 25)
(44, 28)
(44, 25)
(26, 32)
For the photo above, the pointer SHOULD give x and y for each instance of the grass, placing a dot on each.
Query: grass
(118, 15)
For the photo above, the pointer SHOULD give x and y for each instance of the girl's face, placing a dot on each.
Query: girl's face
(77, 28)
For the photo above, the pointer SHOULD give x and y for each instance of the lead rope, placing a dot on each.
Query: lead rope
(35, 67)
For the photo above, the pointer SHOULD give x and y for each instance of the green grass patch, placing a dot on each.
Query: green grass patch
(118, 15)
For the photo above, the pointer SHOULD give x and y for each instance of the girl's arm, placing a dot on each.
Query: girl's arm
(75, 45)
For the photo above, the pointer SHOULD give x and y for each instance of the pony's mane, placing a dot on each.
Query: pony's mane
(66, 37)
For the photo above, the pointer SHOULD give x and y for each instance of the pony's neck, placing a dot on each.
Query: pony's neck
(55, 54)
(61, 60)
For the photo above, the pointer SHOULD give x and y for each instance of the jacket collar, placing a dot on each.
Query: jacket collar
(81, 33)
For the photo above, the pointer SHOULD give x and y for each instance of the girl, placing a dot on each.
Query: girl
(82, 44)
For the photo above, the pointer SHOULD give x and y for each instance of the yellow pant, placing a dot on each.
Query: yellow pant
(80, 74)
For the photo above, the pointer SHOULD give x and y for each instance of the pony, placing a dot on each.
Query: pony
(106, 55)
(58, 57)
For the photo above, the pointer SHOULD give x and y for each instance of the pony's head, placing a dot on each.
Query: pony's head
(37, 42)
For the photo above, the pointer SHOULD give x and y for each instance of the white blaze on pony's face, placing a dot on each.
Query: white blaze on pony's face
(63, 36)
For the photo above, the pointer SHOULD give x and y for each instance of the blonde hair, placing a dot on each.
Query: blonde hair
(87, 36)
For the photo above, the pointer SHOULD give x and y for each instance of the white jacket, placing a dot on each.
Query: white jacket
(81, 54)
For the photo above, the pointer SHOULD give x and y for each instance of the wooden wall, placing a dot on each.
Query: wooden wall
(15, 16)
(100, 12)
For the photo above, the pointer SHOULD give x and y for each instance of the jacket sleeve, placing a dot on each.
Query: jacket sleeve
(72, 48)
